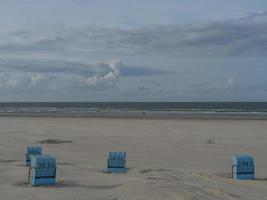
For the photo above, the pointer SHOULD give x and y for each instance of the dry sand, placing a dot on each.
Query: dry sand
(167, 158)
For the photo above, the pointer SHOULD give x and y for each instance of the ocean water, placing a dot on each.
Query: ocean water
(138, 108)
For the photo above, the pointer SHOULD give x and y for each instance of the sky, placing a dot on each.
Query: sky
(133, 50)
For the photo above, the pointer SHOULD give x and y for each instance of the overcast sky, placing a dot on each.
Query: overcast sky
(133, 50)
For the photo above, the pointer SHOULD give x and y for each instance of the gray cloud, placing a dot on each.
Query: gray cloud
(60, 74)
(56, 59)
(240, 36)
(75, 67)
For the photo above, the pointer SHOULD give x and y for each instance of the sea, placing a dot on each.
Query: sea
(245, 109)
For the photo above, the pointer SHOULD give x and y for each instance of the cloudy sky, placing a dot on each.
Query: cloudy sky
(133, 50)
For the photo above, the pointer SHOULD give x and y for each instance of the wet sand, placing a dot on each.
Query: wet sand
(166, 158)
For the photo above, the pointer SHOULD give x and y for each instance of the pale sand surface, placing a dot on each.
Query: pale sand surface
(167, 158)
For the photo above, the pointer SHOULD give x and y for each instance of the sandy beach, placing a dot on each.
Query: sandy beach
(166, 158)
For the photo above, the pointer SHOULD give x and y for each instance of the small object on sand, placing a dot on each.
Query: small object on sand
(32, 150)
(209, 140)
(42, 170)
(243, 167)
(116, 162)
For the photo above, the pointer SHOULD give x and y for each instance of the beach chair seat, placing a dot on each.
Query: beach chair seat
(32, 150)
(243, 167)
(42, 170)
(116, 162)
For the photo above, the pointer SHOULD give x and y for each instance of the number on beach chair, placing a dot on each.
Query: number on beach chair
(243, 167)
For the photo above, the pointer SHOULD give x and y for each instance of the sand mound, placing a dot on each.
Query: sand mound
(54, 141)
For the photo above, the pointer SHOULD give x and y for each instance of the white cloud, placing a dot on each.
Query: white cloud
(65, 75)
(230, 82)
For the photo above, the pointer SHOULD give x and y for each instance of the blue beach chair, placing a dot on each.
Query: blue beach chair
(243, 167)
(32, 150)
(42, 170)
(116, 162)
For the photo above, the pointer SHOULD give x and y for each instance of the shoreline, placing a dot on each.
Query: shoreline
(138, 116)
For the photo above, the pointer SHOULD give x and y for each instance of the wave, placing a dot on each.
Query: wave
(160, 108)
